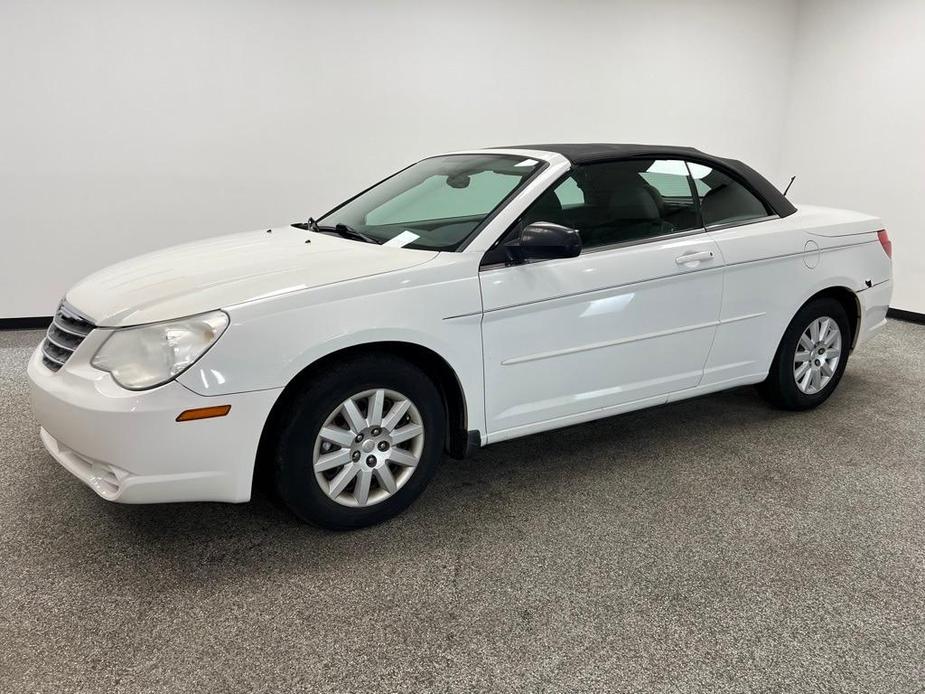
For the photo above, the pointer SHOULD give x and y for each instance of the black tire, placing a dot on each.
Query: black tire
(780, 387)
(293, 473)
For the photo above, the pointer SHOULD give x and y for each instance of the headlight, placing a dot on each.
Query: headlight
(149, 355)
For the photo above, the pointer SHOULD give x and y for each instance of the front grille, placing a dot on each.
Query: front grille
(67, 330)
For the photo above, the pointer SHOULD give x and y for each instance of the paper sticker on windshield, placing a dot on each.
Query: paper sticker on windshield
(527, 162)
(403, 239)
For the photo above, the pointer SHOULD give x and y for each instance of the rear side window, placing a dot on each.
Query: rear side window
(619, 202)
(724, 200)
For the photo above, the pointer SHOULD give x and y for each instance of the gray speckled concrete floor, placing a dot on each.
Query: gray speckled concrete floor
(709, 546)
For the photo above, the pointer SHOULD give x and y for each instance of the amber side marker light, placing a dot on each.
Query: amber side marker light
(203, 413)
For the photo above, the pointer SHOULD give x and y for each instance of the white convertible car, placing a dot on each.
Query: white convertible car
(470, 298)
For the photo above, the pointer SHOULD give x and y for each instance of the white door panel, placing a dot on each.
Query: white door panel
(607, 328)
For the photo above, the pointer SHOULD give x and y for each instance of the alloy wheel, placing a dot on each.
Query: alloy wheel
(817, 355)
(368, 447)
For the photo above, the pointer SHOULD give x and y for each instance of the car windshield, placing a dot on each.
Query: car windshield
(435, 204)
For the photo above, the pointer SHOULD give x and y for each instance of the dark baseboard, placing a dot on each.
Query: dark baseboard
(33, 323)
(910, 316)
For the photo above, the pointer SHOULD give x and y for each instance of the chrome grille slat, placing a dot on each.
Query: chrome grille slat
(75, 323)
(48, 356)
(63, 339)
(70, 331)
(59, 345)
(65, 334)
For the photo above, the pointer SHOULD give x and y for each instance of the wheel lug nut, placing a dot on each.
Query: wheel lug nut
(355, 455)
(359, 438)
(376, 431)
(383, 445)
(371, 460)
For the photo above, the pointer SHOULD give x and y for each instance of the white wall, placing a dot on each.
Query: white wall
(855, 132)
(129, 126)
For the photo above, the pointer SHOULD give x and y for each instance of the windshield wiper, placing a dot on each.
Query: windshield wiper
(347, 232)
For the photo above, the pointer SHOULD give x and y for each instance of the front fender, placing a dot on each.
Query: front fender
(268, 343)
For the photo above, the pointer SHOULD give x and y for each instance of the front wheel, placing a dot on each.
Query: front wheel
(361, 443)
(811, 357)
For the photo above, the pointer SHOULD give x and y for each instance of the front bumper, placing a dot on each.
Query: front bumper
(128, 447)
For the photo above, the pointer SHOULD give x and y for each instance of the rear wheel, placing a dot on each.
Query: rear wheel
(361, 443)
(811, 357)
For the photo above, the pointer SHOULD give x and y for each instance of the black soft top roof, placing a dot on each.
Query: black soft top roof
(587, 153)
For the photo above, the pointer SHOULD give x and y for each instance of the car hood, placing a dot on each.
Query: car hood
(227, 270)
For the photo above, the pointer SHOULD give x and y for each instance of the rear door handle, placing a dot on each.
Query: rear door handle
(694, 257)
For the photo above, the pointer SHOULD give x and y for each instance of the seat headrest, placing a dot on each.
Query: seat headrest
(633, 203)
(729, 201)
(547, 208)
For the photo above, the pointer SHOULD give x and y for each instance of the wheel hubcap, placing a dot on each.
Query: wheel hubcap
(368, 447)
(817, 355)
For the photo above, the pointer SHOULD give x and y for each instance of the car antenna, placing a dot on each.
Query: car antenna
(792, 179)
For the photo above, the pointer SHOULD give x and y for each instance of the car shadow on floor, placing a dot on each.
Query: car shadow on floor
(500, 488)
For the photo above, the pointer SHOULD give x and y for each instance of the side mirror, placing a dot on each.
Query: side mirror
(542, 241)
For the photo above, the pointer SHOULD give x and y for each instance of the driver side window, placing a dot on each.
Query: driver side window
(622, 201)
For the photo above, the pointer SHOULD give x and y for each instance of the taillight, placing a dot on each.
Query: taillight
(885, 242)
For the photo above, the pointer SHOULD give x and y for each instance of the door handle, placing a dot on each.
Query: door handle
(694, 257)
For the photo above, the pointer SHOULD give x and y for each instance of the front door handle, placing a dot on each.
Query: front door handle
(695, 257)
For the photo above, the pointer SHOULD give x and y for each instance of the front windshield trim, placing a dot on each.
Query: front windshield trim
(541, 165)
